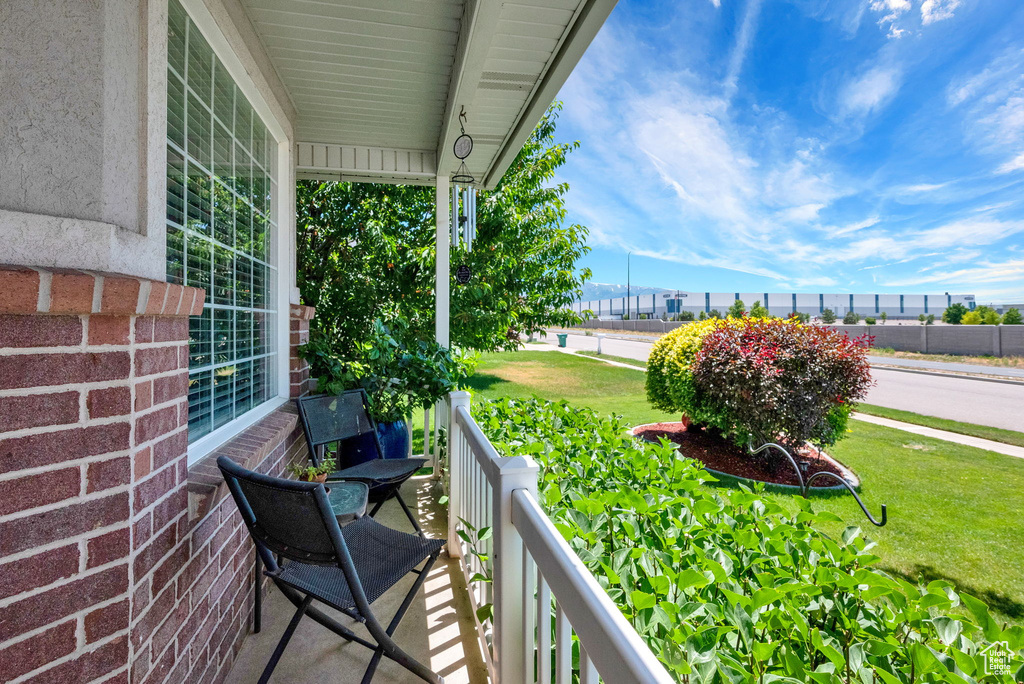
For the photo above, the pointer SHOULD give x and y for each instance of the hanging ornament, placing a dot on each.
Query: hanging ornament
(463, 148)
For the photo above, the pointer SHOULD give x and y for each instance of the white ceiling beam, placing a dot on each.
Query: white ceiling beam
(479, 26)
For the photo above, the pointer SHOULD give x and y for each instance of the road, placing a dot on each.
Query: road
(969, 400)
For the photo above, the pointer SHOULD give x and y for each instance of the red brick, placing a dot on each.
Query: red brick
(157, 294)
(37, 410)
(71, 293)
(62, 523)
(174, 295)
(54, 604)
(165, 633)
(159, 547)
(19, 290)
(183, 359)
(38, 570)
(108, 547)
(162, 668)
(143, 395)
(108, 474)
(120, 296)
(170, 329)
(144, 329)
(154, 424)
(155, 360)
(198, 303)
(143, 463)
(44, 370)
(170, 388)
(88, 666)
(32, 491)
(105, 621)
(142, 530)
(140, 598)
(170, 448)
(34, 652)
(48, 448)
(140, 666)
(165, 572)
(147, 624)
(109, 401)
(109, 329)
(40, 331)
(170, 508)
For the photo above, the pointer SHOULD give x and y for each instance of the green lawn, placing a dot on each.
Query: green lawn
(983, 431)
(954, 511)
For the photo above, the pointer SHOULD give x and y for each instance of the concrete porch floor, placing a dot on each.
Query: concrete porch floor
(438, 629)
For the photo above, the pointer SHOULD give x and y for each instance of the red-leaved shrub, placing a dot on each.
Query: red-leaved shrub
(783, 381)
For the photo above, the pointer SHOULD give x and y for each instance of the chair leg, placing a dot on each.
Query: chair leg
(387, 645)
(283, 643)
(408, 514)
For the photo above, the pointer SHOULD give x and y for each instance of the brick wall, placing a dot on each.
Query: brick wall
(93, 380)
(301, 384)
(193, 592)
(118, 562)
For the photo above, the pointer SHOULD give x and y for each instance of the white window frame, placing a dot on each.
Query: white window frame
(283, 242)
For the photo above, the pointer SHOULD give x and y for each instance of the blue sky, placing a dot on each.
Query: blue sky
(808, 145)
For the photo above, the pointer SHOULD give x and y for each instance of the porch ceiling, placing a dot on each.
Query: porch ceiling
(378, 84)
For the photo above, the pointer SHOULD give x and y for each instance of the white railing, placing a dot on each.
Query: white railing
(535, 577)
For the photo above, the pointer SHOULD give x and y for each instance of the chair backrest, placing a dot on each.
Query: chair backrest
(341, 419)
(286, 517)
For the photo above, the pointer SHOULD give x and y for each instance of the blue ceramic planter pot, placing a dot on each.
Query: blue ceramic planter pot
(394, 439)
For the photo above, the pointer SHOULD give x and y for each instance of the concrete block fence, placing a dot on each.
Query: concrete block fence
(968, 340)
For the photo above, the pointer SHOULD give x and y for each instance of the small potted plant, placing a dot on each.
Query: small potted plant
(312, 473)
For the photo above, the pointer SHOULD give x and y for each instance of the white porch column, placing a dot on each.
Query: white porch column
(441, 332)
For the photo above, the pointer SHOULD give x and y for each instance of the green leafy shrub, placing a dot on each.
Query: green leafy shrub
(1012, 317)
(931, 320)
(684, 316)
(954, 314)
(715, 313)
(737, 310)
(870, 320)
(828, 316)
(397, 376)
(758, 311)
(971, 318)
(851, 318)
(669, 383)
(884, 317)
(779, 380)
(990, 317)
(723, 584)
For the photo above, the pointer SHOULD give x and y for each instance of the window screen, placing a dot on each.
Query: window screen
(221, 196)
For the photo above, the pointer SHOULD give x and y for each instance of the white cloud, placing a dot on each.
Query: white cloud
(1015, 164)
(892, 10)
(869, 92)
(937, 10)
(744, 39)
(716, 3)
(987, 272)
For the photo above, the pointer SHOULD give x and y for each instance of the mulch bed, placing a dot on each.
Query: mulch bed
(716, 453)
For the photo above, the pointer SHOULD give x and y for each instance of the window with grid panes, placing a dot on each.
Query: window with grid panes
(221, 195)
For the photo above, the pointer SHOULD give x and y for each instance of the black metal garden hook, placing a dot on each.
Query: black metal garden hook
(805, 486)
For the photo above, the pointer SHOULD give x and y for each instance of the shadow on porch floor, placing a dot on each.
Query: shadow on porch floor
(438, 630)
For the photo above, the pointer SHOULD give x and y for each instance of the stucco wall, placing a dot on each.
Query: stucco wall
(83, 125)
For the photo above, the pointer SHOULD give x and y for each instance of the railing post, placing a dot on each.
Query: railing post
(456, 470)
(513, 589)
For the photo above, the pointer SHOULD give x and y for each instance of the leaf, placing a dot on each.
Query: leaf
(641, 600)
(980, 611)
(947, 628)
(691, 578)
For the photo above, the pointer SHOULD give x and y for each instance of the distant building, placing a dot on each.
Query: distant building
(782, 304)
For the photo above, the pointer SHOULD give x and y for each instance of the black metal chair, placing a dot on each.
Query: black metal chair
(342, 427)
(345, 568)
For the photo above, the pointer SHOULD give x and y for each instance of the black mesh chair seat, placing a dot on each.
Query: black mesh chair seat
(310, 558)
(341, 426)
(382, 557)
(381, 470)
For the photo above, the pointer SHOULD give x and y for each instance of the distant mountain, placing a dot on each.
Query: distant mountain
(595, 291)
